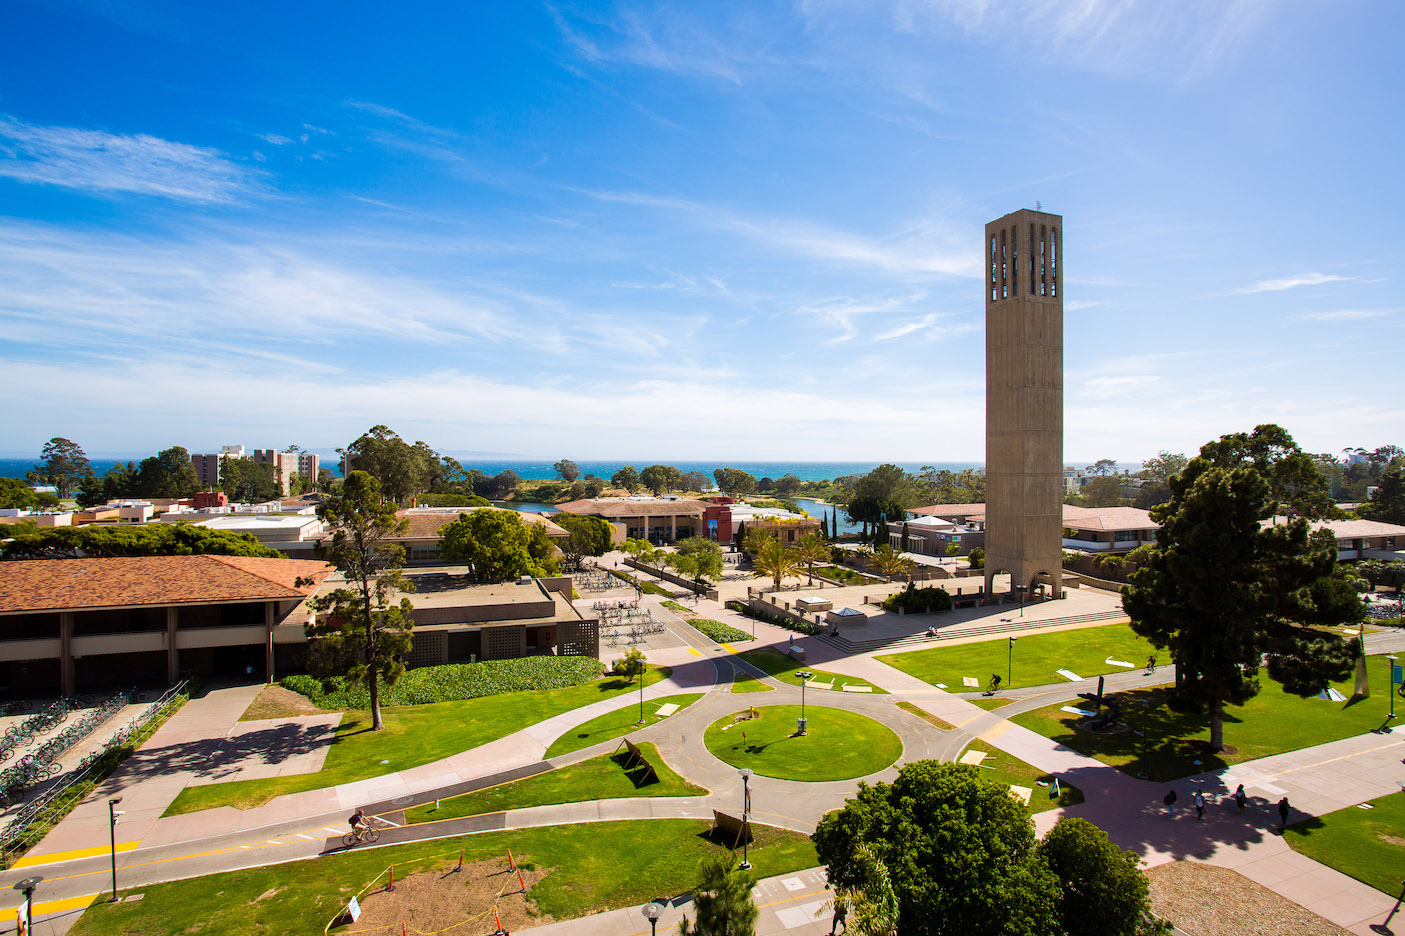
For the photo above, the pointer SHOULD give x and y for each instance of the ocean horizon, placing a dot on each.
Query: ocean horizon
(539, 469)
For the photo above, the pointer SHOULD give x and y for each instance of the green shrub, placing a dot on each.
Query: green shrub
(673, 606)
(840, 574)
(454, 500)
(977, 557)
(919, 600)
(428, 684)
(716, 630)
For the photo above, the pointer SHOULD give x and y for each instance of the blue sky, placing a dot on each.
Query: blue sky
(669, 231)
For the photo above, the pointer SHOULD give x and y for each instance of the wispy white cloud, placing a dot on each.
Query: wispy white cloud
(934, 325)
(1343, 315)
(97, 161)
(926, 246)
(1185, 38)
(1293, 282)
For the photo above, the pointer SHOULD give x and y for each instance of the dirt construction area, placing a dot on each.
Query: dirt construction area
(445, 900)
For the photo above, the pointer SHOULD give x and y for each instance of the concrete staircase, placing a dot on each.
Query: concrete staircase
(916, 641)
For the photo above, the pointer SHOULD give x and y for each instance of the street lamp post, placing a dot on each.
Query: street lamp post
(112, 813)
(28, 885)
(652, 912)
(1010, 662)
(746, 817)
(1390, 687)
(1021, 590)
(805, 676)
(643, 671)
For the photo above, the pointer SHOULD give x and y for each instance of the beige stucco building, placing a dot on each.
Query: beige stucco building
(1024, 399)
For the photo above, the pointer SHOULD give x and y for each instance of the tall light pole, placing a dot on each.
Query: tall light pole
(805, 676)
(1390, 688)
(112, 813)
(643, 671)
(1021, 590)
(746, 816)
(1010, 662)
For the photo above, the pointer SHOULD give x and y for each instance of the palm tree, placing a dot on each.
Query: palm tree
(774, 560)
(871, 904)
(891, 562)
(755, 538)
(810, 549)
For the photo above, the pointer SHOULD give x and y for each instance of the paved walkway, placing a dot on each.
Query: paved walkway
(1317, 781)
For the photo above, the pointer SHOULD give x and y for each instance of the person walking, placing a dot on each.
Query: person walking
(1283, 808)
(841, 918)
(1199, 801)
(1240, 798)
(1170, 800)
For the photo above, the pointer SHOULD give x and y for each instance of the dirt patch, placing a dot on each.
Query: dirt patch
(277, 702)
(271, 892)
(430, 901)
(1204, 900)
(1391, 839)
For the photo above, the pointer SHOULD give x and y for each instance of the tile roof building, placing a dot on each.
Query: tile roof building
(66, 623)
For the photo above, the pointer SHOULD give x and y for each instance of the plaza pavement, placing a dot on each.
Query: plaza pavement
(1317, 780)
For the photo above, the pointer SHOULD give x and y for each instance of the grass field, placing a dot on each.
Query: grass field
(617, 724)
(1367, 844)
(926, 716)
(1035, 660)
(1271, 723)
(1011, 771)
(599, 778)
(413, 735)
(840, 745)
(596, 866)
(745, 682)
(783, 667)
(990, 704)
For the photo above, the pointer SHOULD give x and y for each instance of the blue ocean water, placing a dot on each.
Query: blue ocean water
(805, 471)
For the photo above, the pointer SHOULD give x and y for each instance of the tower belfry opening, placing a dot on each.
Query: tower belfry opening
(1024, 400)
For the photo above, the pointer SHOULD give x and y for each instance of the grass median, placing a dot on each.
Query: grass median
(618, 723)
(593, 866)
(413, 735)
(1035, 659)
(1270, 723)
(1367, 844)
(599, 778)
(838, 745)
(782, 666)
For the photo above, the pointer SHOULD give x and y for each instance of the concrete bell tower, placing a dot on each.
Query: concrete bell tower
(1024, 399)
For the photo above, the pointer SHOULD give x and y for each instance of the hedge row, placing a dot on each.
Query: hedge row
(716, 630)
(789, 623)
(453, 681)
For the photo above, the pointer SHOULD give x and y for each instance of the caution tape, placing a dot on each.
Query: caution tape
(389, 926)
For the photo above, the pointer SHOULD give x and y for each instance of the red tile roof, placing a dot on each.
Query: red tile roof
(76, 584)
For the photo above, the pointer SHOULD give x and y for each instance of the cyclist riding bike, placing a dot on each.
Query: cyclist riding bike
(360, 825)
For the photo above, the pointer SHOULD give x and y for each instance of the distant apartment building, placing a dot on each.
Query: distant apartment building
(285, 465)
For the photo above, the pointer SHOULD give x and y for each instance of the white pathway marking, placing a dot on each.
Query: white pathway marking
(1123, 663)
(1070, 675)
(973, 758)
(793, 884)
(971, 681)
(1076, 711)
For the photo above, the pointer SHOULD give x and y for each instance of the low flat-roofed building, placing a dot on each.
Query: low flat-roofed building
(933, 536)
(456, 620)
(70, 624)
(656, 519)
(784, 525)
(421, 537)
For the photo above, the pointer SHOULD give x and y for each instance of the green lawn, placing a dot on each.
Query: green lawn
(840, 745)
(745, 682)
(413, 735)
(1036, 658)
(599, 778)
(1271, 723)
(1011, 771)
(596, 866)
(783, 667)
(616, 724)
(990, 704)
(1367, 844)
